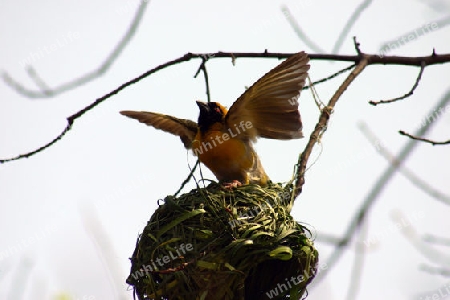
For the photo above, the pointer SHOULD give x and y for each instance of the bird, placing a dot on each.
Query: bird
(223, 139)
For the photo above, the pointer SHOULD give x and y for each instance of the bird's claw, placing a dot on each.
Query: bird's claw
(231, 185)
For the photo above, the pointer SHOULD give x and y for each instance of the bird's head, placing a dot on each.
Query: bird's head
(210, 113)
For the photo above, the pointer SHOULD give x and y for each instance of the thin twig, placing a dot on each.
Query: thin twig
(434, 255)
(358, 264)
(187, 178)
(329, 77)
(429, 238)
(21, 278)
(416, 84)
(350, 22)
(320, 105)
(357, 45)
(300, 33)
(71, 119)
(414, 137)
(327, 239)
(371, 60)
(38, 80)
(208, 91)
(321, 125)
(413, 178)
(46, 92)
(372, 196)
(435, 271)
(205, 74)
(442, 22)
(104, 247)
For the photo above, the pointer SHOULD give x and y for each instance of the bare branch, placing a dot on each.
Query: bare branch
(104, 247)
(413, 178)
(416, 84)
(369, 59)
(340, 40)
(429, 252)
(321, 125)
(429, 238)
(46, 92)
(205, 73)
(71, 119)
(20, 278)
(414, 137)
(191, 173)
(373, 59)
(357, 46)
(300, 33)
(436, 271)
(350, 22)
(39, 81)
(329, 77)
(327, 239)
(372, 196)
(358, 264)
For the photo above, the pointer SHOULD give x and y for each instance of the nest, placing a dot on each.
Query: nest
(234, 244)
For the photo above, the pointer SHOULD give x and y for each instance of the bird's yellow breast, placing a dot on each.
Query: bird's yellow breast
(227, 156)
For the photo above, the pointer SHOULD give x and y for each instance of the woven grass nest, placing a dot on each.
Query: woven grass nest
(213, 243)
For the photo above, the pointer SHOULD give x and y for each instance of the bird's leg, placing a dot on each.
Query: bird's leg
(231, 185)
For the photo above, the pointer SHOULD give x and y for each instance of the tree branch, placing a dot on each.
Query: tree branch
(205, 74)
(416, 84)
(350, 23)
(358, 265)
(307, 87)
(436, 271)
(372, 196)
(47, 92)
(429, 238)
(369, 59)
(71, 119)
(188, 178)
(321, 125)
(327, 239)
(432, 254)
(413, 178)
(434, 143)
(300, 33)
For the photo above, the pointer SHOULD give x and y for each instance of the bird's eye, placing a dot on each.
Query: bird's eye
(217, 109)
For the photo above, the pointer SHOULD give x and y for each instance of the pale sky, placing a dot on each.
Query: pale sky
(70, 215)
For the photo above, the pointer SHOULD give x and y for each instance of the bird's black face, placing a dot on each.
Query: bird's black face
(210, 113)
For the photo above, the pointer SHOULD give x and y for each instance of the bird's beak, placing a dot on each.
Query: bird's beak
(204, 108)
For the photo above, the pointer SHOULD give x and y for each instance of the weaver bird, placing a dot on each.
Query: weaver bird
(222, 139)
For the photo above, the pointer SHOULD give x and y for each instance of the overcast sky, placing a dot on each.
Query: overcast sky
(70, 215)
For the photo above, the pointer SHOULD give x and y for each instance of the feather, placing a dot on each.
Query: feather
(271, 103)
(185, 129)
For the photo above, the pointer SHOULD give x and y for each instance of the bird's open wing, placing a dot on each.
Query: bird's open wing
(271, 105)
(185, 129)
